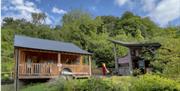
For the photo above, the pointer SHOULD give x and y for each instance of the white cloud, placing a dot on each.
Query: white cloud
(58, 11)
(120, 2)
(18, 2)
(129, 3)
(148, 5)
(22, 9)
(165, 12)
(30, 4)
(30, 7)
(162, 12)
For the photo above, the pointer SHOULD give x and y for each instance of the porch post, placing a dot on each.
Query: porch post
(81, 60)
(115, 58)
(90, 65)
(59, 62)
(16, 79)
(130, 62)
(59, 58)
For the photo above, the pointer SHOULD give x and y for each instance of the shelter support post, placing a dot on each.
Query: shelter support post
(115, 58)
(90, 73)
(130, 63)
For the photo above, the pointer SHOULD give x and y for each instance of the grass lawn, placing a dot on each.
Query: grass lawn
(8, 87)
(35, 87)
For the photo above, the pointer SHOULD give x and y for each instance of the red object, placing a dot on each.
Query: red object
(103, 70)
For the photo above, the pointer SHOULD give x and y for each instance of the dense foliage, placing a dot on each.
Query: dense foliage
(92, 34)
(141, 83)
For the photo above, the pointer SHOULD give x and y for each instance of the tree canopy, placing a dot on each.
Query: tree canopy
(92, 34)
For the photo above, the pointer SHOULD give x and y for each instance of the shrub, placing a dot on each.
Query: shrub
(121, 83)
(96, 84)
(154, 83)
(60, 84)
(116, 83)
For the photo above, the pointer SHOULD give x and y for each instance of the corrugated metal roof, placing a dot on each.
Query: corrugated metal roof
(43, 44)
(135, 44)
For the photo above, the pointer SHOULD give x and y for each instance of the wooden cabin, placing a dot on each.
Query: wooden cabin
(44, 59)
(133, 60)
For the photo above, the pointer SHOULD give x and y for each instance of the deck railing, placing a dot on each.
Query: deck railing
(44, 70)
(77, 69)
(38, 70)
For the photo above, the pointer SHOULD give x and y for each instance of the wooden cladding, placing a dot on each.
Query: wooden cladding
(41, 64)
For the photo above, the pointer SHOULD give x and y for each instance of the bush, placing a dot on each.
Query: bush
(96, 84)
(154, 83)
(116, 83)
(60, 84)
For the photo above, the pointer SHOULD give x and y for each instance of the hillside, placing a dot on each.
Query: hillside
(91, 34)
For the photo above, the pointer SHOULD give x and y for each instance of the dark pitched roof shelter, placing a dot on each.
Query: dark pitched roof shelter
(49, 45)
(131, 44)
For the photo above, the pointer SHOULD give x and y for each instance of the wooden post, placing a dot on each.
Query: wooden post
(81, 60)
(90, 66)
(59, 62)
(115, 58)
(16, 81)
(130, 62)
(59, 58)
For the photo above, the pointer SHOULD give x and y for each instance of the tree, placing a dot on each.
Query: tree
(75, 15)
(38, 18)
(138, 35)
(91, 34)
(168, 58)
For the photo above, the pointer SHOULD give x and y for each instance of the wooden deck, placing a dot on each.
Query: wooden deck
(42, 70)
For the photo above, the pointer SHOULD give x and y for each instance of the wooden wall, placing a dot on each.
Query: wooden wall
(39, 56)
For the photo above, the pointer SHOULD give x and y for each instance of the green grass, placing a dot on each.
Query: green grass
(8, 87)
(35, 87)
(115, 83)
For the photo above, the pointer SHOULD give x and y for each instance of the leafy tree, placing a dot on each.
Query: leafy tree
(38, 18)
(92, 34)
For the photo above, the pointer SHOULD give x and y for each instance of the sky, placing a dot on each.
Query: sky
(162, 12)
